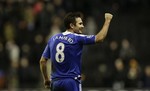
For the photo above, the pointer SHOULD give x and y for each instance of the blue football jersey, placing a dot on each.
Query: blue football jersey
(64, 50)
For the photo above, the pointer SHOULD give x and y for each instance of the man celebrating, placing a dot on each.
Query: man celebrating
(65, 51)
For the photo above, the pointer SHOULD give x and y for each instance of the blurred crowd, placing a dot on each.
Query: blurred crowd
(121, 61)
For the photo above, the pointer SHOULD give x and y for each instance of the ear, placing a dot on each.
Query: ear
(71, 25)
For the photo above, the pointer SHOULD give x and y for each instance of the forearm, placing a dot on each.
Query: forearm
(103, 32)
(43, 68)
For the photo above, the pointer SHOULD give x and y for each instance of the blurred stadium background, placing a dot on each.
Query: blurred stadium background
(122, 61)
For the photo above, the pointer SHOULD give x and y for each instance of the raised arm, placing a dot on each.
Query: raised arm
(103, 32)
(43, 68)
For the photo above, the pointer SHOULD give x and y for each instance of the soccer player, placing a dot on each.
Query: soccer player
(65, 51)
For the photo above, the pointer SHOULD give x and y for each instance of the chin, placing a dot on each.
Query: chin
(79, 32)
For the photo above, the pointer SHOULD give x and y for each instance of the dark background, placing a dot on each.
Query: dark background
(121, 61)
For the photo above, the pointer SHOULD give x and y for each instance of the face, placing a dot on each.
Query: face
(78, 27)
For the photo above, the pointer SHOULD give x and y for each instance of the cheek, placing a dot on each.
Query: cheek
(77, 27)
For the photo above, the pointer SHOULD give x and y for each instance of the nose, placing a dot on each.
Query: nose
(82, 26)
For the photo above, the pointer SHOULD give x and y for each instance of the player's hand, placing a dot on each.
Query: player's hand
(108, 16)
(47, 83)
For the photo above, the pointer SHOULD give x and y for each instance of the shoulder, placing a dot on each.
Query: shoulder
(83, 35)
(79, 35)
(54, 36)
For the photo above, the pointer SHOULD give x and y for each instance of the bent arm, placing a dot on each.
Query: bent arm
(103, 32)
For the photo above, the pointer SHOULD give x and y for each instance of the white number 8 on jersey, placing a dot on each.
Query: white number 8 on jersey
(60, 56)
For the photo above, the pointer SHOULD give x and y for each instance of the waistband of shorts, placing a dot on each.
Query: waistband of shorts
(59, 78)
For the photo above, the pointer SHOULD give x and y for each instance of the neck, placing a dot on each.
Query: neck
(70, 30)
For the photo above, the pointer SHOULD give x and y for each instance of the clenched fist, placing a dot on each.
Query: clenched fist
(108, 16)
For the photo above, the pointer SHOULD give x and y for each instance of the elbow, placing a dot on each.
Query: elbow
(99, 39)
(42, 61)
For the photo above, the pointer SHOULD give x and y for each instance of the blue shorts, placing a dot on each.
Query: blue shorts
(67, 84)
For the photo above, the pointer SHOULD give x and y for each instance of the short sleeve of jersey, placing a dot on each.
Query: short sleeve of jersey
(46, 52)
(86, 39)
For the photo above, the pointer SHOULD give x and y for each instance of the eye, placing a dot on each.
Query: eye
(81, 23)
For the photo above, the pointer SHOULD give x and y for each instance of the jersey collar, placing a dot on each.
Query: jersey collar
(67, 32)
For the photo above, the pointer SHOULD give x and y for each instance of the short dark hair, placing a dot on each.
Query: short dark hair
(70, 18)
